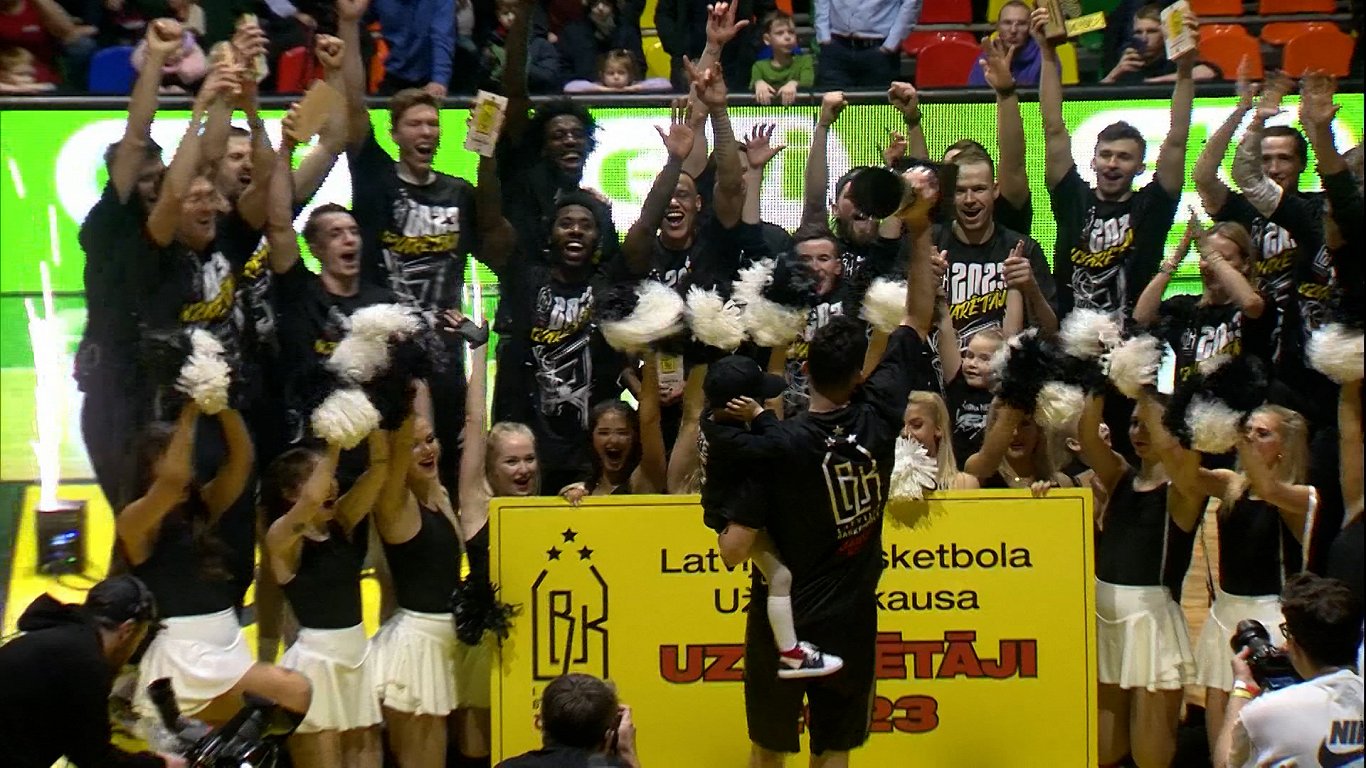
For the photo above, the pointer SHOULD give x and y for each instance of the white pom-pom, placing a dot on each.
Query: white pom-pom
(1336, 351)
(996, 370)
(205, 377)
(884, 305)
(769, 323)
(715, 322)
(658, 315)
(359, 359)
(1133, 365)
(380, 322)
(345, 418)
(1214, 426)
(913, 471)
(1087, 334)
(1059, 406)
(1211, 364)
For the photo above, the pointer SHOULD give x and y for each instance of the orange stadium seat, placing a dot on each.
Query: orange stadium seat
(946, 64)
(1227, 52)
(1327, 49)
(917, 41)
(1217, 7)
(1282, 32)
(1289, 7)
(945, 12)
(1210, 30)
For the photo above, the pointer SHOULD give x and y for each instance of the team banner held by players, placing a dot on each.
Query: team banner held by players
(985, 650)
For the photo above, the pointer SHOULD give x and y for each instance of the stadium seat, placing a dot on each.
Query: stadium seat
(111, 71)
(1067, 64)
(946, 64)
(1282, 32)
(296, 71)
(916, 42)
(1217, 7)
(1290, 7)
(1327, 49)
(1210, 30)
(1227, 51)
(376, 74)
(945, 12)
(657, 61)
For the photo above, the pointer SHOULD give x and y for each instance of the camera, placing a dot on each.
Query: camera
(1271, 666)
(251, 739)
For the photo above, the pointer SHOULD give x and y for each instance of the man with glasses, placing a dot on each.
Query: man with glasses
(1012, 38)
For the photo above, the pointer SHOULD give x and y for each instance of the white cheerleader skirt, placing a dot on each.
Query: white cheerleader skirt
(337, 663)
(204, 656)
(1213, 654)
(1141, 638)
(416, 663)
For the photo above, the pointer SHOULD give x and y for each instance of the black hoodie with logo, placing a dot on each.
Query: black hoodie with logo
(54, 693)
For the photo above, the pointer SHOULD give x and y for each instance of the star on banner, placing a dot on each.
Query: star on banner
(585, 553)
(569, 534)
(553, 553)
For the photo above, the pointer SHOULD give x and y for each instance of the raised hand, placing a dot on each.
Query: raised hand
(164, 38)
(1016, 269)
(721, 24)
(223, 81)
(1192, 24)
(906, 100)
(352, 10)
(289, 127)
(758, 146)
(1247, 90)
(708, 84)
(896, 149)
(1038, 22)
(1277, 86)
(679, 139)
(250, 41)
(1317, 109)
(763, 92)
(995, 64)
(329, 51)
(832, 104)
(925, 186)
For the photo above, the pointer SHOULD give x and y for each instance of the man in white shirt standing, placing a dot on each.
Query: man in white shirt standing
(1314, 723)
(860, 41)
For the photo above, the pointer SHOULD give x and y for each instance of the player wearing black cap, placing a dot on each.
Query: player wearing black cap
(55, 678)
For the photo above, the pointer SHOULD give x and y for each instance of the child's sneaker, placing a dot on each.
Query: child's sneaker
(806, 660)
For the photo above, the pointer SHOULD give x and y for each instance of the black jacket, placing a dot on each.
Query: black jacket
(54, 694)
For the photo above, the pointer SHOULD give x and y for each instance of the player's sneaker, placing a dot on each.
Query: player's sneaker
(806, 660)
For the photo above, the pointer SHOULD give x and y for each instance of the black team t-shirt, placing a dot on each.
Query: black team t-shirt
(976, 279)
(1199, 332)
(1107, 251)
(865, 263)
(416, 235)
(555, 365)
(844, 299)
(715, 256)
(968, 409)
(1015, 219)
(111, 237)
(531, 186)
(829, 474)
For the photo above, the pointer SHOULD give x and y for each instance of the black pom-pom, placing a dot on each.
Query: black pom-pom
(1174, 418)
(1022, 367)
(1087, 374)
(793, 283)
(162, 353)
(1241, 382)
(476, 609)
(617, 304)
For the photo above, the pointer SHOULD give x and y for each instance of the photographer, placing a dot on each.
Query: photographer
(582, 725)
(55, 679)
(1318, 721)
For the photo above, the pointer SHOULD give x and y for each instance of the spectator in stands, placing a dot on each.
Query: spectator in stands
(291, 24)
(183, 70)
(618, 73)
(684, 30)
(786, 71)
(1012, 32)
(1144, 58)
(57, 43)
(861, 41)
(18, 73)
(611, 25)
(475, 21)
(421, 38)
(582, 723)
(544, 68)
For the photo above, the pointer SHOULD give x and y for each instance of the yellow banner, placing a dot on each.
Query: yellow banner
(986, 645)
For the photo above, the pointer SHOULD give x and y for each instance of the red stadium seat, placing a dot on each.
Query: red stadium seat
(916, 41)
(1210, 30)
(1217, 7)
(945, 12)
(296, 71)
(1327, 49)
(1290, 7)
(946, 64)
(1227, 51)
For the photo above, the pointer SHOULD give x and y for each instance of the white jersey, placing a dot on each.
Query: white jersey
(1315, 723)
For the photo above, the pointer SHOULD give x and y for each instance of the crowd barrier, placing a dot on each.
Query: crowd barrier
(985, 650)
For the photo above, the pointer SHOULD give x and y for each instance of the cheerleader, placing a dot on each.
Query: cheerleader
(168, 532)
(1266, 520)
(628, 446)
(1143, 549)
(316, 545)
(1015, 453)
(927, 422)
(501, 462)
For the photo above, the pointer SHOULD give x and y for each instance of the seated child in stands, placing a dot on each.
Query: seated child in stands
(788, 70)
(617, 74)
(18, 73)
(182, 71)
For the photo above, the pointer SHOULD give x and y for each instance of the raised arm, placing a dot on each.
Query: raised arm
(1244, 296)
(165, 214)
(163, 40)
(652, 474)
(1317, 111)
(518, 117)
(1018, 272)
(474, 439)
(757, 152)
(395, 514)
(950, 356)
(1057, 141)
(1011, 174)
(905, 100)
(1350, 452)
(349, 13)
(1213, 191)
(313, 170)
(251, 206)
(678, 142)
(497, 238)
(1108, 465)
(359, 500)
(227, 486)
(987, 461)
(1183, 465)
(721, 29)
(1148, 308)
(1295, 502)
(282, 241)
(1263, 193)
(729, 196)
(285, 537)
(1171, 158)
(173, 473)
(815, 208)
(926, 266)
(684, 458)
